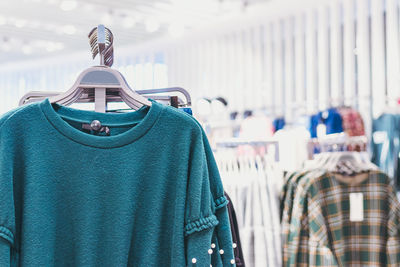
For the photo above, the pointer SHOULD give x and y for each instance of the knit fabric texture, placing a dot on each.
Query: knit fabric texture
(147, 194)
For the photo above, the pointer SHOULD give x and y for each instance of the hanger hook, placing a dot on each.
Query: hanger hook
(101, 42)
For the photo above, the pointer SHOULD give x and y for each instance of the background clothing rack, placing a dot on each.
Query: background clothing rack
(236, 142)
(338, 142)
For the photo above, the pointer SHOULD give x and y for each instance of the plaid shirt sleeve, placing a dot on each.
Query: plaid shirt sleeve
(303, 250)
(313, 244)
(284, 192)
(288, 225)
(393, 242)
(292, 235)
(287, 205)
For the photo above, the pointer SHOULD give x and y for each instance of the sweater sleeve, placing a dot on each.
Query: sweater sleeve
(200, 219)
(7, 213)
(222, 236)
(223, 230)
(5, 252)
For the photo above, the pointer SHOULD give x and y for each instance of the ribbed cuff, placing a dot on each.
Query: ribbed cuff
(221, 202)
(7, 234)
(201, 224)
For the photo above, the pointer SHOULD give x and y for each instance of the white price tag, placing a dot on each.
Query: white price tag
(356, 207)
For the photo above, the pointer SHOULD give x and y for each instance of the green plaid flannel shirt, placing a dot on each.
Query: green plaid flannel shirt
(323, 234)
(291, 228)
(287, 197)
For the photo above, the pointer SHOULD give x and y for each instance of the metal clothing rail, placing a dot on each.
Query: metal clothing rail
(304, 105)
(236, 142)
(112, 96)
(337, 142)
(340, 138)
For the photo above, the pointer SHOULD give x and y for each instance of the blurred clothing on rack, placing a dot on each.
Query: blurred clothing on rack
(293, 147)
(253, 183)
(338, 142)
(332, 120)
(187, 110)
(353, 123)
(320, 227)
(237, 244)
(386, 145)
(256, 127)
(214, 116)
(278, 124)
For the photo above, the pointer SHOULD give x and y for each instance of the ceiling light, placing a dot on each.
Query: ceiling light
(128, 22)
(68, 5)
(20, 23)
(176, 30)
(26, 49)
(69, 29)
(152, 25)
(2, 20)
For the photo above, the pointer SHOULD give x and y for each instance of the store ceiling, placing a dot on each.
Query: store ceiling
(41, 28)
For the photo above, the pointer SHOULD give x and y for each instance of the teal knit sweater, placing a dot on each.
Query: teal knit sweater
(147, 194)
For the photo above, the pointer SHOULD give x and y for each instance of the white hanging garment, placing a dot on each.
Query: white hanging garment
(264, 212)
(261, 250)
(293, 148)
(247, 233)
(272, 182)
